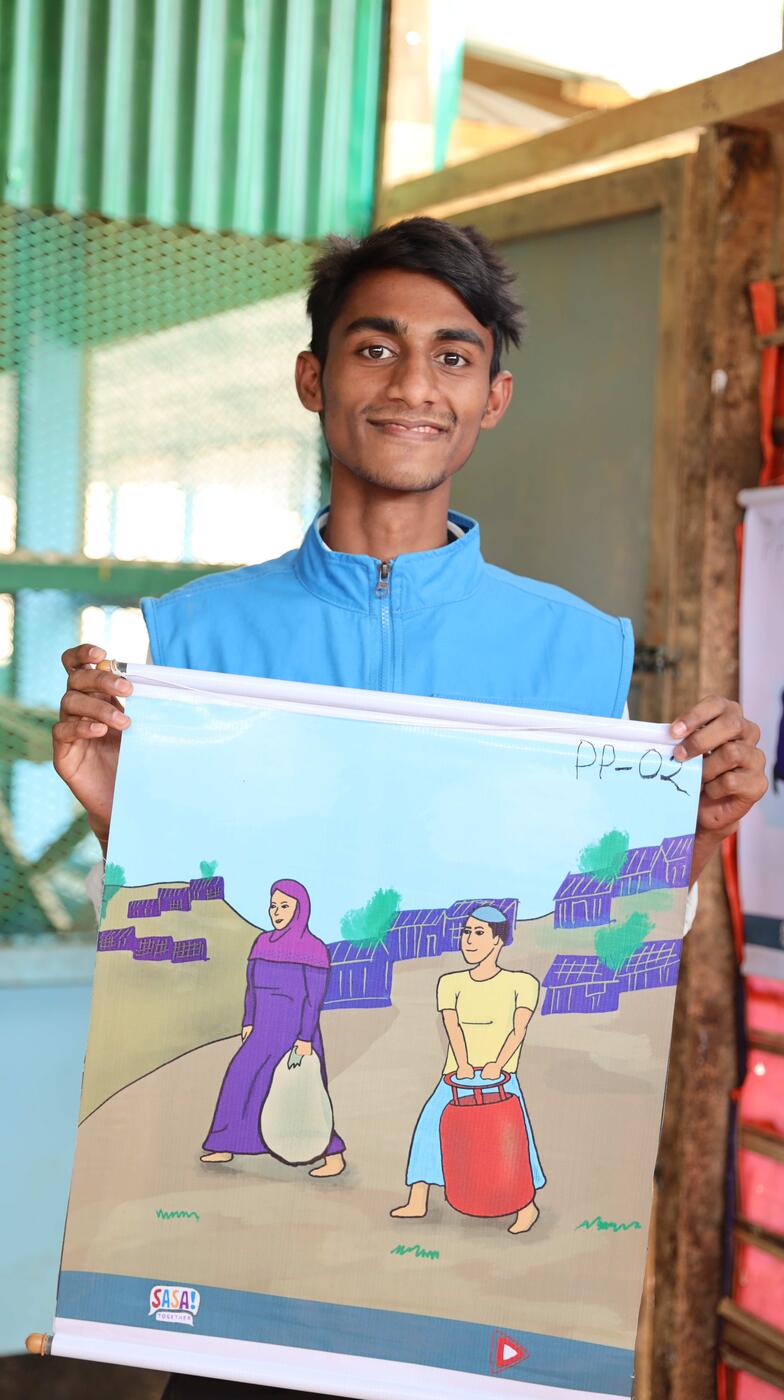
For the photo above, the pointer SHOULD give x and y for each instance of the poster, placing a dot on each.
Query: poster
(761, 840)
(378, 1045)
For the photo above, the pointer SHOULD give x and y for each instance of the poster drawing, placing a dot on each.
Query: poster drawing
(380, 1031)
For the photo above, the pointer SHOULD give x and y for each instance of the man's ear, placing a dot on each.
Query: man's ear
(307, 376)
(498, 400)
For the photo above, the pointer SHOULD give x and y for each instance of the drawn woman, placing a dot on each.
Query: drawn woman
(486, 1011)
(288, 969)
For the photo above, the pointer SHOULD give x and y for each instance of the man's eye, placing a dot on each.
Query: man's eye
(375, 352)
(452, 360)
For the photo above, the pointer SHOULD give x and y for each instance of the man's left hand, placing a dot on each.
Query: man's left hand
(733, 768)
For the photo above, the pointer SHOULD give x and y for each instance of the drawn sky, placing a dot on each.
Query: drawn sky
(348, 807)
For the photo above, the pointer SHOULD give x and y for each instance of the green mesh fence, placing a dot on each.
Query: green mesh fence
(147, 413)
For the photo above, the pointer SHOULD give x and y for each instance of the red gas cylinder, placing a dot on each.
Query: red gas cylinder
(484, 1149)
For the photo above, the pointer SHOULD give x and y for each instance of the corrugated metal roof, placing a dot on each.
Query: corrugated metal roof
(463, 907)
(577, 885)
(640, 860)
(255, 116)
(348, 952)
(676, 847)
(416, 917)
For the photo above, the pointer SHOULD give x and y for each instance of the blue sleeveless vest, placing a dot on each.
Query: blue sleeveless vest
(442, 622)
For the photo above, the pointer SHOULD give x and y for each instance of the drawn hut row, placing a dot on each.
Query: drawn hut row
(360, 973)
(585, 901)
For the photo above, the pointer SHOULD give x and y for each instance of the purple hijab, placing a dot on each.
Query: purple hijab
(295, 943)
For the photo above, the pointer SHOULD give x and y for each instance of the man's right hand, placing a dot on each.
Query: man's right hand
(86, 738)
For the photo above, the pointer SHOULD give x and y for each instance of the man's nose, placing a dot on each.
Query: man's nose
(413, 380)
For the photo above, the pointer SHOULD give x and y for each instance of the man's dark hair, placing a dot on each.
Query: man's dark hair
(461, 257)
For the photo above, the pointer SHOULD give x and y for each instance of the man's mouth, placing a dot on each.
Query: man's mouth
(396, 427)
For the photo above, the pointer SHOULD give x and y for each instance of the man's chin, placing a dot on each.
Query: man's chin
(400, 479)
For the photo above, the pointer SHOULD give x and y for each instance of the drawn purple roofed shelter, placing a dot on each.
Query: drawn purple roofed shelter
(673, 864)
(638, 872)
(210, 888)
(416, 933)
(169, 898)
(582, 901)
(114, 940)
(189, 950)
(143, 909)
(585, 901)
(156, 948)
(578, 982)
(360, 975)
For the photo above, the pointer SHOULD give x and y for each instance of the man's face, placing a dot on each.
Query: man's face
(405, 389)
(477, 941)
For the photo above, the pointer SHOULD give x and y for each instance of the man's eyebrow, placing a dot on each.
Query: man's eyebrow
(461, 333)
(388, 325)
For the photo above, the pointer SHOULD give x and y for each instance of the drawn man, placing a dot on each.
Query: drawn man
(485, 1011)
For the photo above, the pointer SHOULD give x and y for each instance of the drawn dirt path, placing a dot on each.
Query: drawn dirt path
(264, 1226)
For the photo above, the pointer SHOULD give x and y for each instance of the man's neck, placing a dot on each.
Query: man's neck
(366, 519)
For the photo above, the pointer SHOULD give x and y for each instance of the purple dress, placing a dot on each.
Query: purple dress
(287, 982)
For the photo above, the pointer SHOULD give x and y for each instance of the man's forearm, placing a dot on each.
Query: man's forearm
(706, 843)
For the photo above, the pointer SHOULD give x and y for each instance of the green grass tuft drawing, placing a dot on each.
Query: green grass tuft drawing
(605, 859)
(113, 880)
(616, 942)
(373, 920)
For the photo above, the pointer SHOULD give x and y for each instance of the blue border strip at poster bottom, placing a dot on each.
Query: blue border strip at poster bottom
(122, 1300)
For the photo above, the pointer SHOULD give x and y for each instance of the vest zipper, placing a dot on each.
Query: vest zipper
(382, 593)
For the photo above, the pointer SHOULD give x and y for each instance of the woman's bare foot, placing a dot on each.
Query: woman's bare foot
(524, 1219)
(217, 1156)
(416, 1205)
(332, 1165)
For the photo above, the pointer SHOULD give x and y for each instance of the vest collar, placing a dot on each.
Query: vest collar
(417, 581)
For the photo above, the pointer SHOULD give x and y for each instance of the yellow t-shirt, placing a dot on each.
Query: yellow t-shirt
(486, 1011)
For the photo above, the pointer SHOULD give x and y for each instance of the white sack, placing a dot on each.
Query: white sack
(296, 1117)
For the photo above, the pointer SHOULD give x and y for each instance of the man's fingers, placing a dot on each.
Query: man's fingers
(727, 726)
(746, 784)
(738, 753)
(702, 713)
(98, 682)
(84, 655)
(77, 705)
(67, 731)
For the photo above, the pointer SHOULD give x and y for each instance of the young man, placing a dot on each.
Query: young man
(389, 591)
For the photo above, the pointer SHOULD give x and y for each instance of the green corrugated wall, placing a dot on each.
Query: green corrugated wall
(256, 116)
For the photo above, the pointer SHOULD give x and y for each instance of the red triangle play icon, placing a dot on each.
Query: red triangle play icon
(508, 1353)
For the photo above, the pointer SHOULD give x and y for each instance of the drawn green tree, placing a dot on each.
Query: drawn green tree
(208, 868)
(113, 880)
(373, 920)
(605, 859)
(616, 942)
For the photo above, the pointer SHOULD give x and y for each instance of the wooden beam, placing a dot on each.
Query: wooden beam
(767, 1144)
(748, 1335)
(733, 97)
(736, 1361)
(610, 196)
(539, 89)
(407, 142)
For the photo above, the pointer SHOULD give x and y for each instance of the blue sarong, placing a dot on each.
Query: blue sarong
(424, 1159)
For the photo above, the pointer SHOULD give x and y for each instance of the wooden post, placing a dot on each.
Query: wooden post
(727, 241)
(407, 141)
